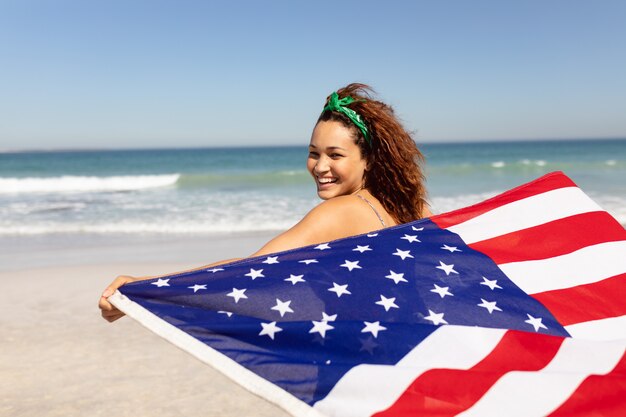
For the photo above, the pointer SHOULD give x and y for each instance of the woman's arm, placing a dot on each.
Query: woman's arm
(325, 222)
(111, 313)
(332, 219)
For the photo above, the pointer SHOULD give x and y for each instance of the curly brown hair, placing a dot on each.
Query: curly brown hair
(394, 173)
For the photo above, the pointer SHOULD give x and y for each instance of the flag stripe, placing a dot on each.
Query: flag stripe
(440, 349)
(613, 328)
(554, 238)
(584, 266)
(528, 394)
(600, 395)
(599, 300)
(537, 209)
(435, 393)
(552, 181)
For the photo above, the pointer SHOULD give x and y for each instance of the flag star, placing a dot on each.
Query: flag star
(372, 234)
(270, 329)
(214, 270)
(254, 274)
(321, 327)
(322, 246)
(271, 260)
(417, 229)
(339, 289)
(387, 302)
(161, 282)
(493, 284)
(294, 279)
(198, 287)
(228, 313)
(448, 269)
(442, 291)
(452, 249)
(403, 254)
(362, 248)
(237, 294)
(326, 317)
(351, 265)
(411, 238)
(396, 277)
(436, 318)
(489, 305)
(368, 345)
(282, 307)
(535, 322)
(373, 328)
(308, 261)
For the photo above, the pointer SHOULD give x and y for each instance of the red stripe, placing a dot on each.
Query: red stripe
(548, 182)
(551, 239)
(447, 392)
(598, 395)
(595, 301)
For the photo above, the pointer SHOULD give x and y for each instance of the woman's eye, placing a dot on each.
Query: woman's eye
(313, 155)
(336, 155)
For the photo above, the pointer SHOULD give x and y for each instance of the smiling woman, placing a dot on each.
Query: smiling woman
(335, 161)
(367, 169)
(393, 173)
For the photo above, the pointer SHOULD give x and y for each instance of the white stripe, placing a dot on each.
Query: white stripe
(584, 266)
(246, 378)
(366, 389)
(528, 394)
(522, 214)
(613, 328)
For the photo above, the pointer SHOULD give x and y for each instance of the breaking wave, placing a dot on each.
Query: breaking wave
(69, 184)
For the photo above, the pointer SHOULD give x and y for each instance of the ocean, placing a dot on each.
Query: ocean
(265, 189)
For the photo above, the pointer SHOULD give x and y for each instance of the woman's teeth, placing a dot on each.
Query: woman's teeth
(326, 180)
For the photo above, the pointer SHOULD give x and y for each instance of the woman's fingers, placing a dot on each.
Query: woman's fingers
(109, 311)
(104, 304)
(111, 316)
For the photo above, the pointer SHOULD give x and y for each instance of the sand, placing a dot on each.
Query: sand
(58, 357)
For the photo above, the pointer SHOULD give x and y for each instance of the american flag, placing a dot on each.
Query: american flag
(514, 306)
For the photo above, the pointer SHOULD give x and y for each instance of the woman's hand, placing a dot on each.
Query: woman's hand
(109, 312)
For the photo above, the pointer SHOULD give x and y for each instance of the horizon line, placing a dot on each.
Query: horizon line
(274, 145)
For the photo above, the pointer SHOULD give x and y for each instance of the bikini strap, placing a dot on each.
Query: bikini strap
(373, 208)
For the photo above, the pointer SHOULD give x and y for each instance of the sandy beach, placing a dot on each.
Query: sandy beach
(59, 358)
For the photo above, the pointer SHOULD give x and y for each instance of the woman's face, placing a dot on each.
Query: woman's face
(335, 161)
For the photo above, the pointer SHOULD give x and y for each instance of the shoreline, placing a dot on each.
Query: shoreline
(29, 252)
(61, 358)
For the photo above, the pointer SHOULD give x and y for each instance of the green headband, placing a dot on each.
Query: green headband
(339, 105)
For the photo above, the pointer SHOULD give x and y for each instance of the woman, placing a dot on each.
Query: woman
(367, 169)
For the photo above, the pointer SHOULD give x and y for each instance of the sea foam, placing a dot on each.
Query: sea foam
(68, 183)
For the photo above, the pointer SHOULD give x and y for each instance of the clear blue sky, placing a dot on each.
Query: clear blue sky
(148, 73)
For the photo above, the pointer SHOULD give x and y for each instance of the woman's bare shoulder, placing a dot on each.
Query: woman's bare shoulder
(340, 206)
(351, 208)
(332, 219)
(344, 216)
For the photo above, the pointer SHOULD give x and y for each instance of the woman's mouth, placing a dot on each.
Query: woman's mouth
(326, 181)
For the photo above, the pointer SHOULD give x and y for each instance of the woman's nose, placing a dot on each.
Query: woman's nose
(321, 165)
